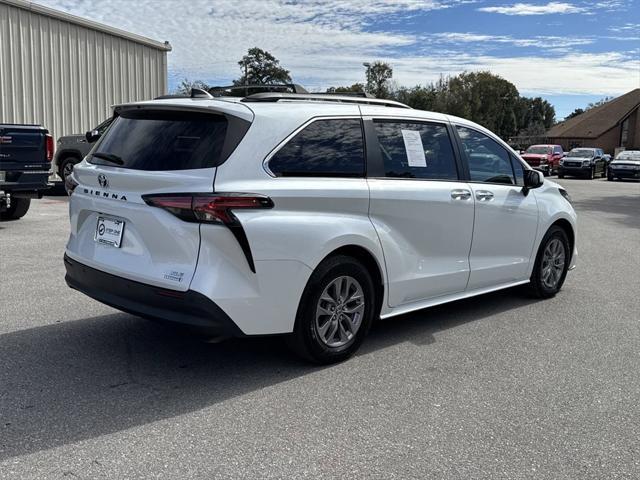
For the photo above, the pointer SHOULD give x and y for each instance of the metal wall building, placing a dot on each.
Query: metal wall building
(64, 72)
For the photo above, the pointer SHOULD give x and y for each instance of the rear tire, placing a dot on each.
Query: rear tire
(66, 167)
(549, 272)
(328, 331)
(561, 176)
(18, 209)
(609, 177)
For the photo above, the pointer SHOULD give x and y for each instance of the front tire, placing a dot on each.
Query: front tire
(336, 311)
(19, 208)
(552, 264)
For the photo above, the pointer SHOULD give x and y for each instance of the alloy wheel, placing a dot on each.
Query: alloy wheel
(553, 262)
(340, 311)
(67, 170)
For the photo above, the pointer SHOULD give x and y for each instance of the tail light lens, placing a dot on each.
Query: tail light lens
(49, 146)
(213, 208)
(208, 208)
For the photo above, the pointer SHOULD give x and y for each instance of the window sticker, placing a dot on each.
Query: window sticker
(415, 149)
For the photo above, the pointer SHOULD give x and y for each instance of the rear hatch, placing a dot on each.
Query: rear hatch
(151, 148)
(25, 157)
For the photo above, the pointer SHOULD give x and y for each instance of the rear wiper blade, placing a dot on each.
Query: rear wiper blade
(109, 157)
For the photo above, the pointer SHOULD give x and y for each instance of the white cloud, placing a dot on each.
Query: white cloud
(532, 9)
(324, 43)
(539, 41)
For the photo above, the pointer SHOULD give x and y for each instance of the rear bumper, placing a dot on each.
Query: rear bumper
(189, 308)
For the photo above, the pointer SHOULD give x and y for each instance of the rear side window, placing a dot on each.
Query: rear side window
(164, 140)
(488, 161)
(325, 148)
(416, 150)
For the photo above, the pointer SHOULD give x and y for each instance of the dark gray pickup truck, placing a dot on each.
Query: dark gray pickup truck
(26, 152)
(71, 149)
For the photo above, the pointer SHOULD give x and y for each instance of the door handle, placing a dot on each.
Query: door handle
(460, 194)
(484, 195)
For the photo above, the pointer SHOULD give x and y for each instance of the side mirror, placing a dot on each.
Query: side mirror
(92, 136)
(532, 179)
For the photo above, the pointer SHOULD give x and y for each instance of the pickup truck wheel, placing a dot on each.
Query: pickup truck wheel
(66, 167)
(18, 209)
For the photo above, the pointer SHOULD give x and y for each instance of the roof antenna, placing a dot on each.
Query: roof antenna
(199, 93)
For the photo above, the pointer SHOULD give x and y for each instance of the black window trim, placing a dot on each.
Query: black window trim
(288, 138)
(510, 155)
(375, 162)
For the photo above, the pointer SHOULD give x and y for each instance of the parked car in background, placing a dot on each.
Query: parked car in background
(625, 165)
(26, 152)
(545, 158)
(267, 215)
(583, 162)
(71, 149)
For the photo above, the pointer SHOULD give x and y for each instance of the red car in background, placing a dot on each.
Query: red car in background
(545, 158)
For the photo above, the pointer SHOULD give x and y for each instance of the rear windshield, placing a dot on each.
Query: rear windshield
(162, 140)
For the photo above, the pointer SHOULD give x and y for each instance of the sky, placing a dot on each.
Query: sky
(569, 52)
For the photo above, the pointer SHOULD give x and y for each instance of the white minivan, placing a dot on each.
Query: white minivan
(306, 215)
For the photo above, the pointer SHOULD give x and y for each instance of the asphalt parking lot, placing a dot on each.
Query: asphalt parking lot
(496, 387)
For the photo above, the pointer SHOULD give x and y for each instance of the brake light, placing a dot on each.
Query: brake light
(49, 146)
(213, 208)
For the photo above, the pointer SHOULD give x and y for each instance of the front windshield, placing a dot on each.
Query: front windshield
(580, 153)
(629, 156)
(539, 150)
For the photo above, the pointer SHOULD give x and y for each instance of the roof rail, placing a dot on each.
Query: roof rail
(347, 94)
(322, 97)
(292, 87)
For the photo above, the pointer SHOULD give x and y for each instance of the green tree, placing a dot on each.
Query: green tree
(259, 67)
(186, 85)
(482, 97)
(355, 88)
(599, 103)
(379, 75)
(575, 113)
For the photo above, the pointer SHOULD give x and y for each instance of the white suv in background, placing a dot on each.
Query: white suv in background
(307, 215)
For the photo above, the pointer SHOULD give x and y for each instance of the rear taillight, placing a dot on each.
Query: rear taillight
(49, 145)
(208, 208)
(212, 208)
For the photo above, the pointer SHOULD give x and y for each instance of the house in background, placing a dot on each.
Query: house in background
(611, 127)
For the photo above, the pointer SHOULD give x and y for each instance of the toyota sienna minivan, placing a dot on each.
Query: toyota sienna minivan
(306, 215)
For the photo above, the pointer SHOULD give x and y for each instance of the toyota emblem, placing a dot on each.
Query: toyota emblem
(102, 181)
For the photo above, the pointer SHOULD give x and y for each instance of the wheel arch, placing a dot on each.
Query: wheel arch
(370, 262)
(565, 225)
